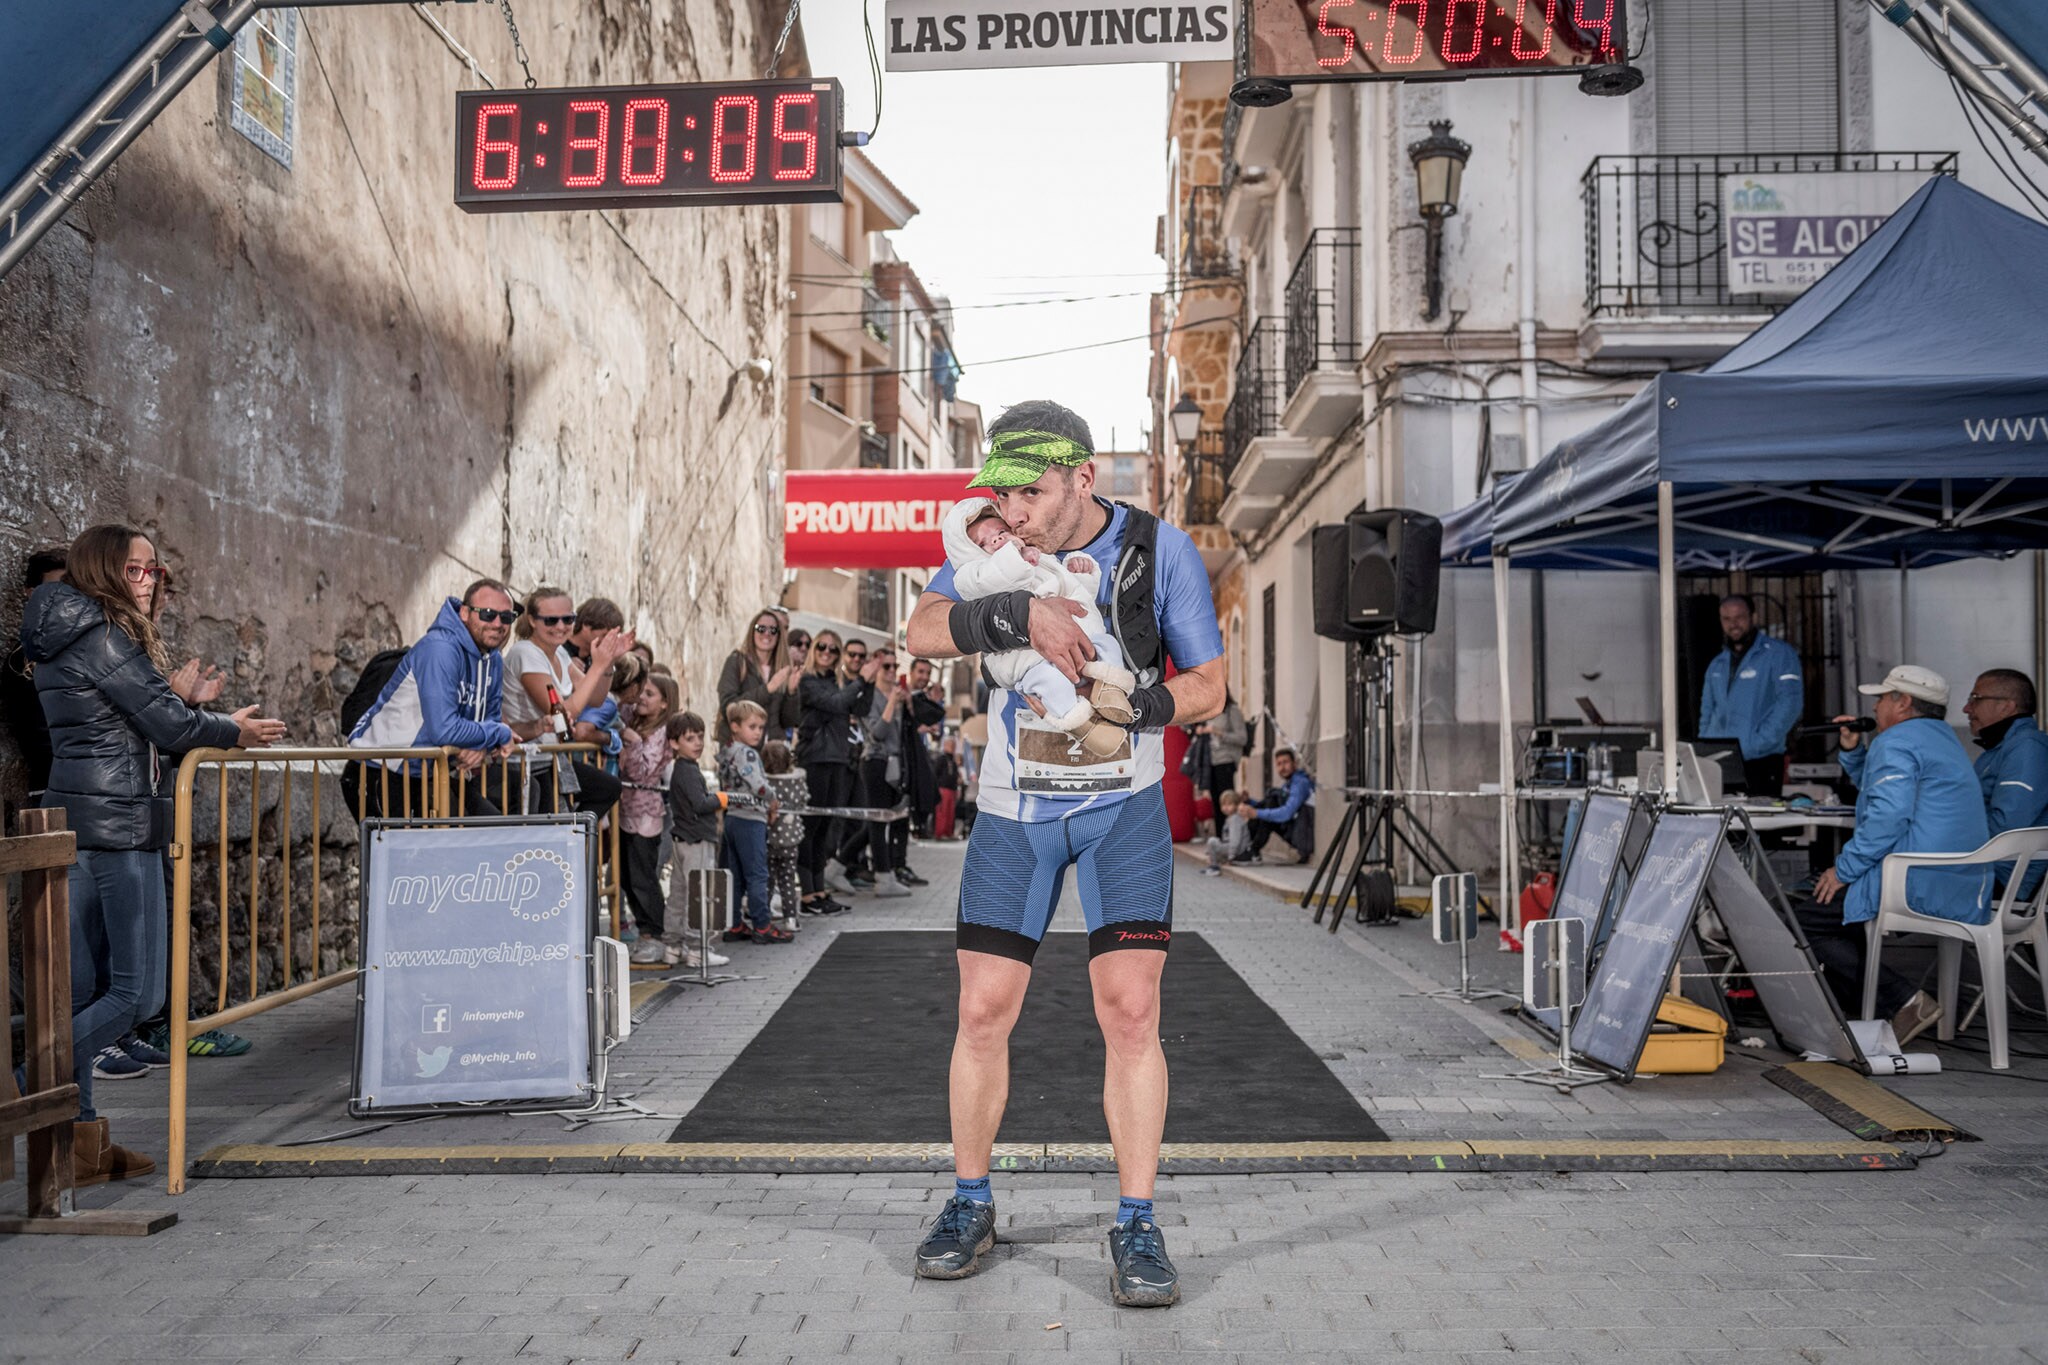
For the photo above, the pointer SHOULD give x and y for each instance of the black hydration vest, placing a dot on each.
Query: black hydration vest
(1133, 589)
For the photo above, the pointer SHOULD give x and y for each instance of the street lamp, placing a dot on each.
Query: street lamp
(1186, 419)
(1439, 171)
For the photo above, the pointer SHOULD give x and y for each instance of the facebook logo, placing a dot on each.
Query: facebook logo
(434, 1018)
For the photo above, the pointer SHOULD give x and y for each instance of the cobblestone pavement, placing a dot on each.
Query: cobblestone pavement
(1939, 1264)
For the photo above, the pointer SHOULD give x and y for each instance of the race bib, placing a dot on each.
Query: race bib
(1051, 762)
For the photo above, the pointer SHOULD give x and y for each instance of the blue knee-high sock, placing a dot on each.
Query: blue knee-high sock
(1128, 1208)
(976, 1190)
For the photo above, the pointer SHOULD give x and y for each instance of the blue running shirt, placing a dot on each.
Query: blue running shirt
(1031, 771)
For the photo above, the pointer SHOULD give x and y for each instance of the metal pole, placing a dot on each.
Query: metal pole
(1504, 908)
(1943, 49)
(1667, 637)
(170, 79)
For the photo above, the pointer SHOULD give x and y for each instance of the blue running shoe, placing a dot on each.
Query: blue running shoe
(151, 1057)
(952, 1250)
(1140, 1275)
(112, 1064)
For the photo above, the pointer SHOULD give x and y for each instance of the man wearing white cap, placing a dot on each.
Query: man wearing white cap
(1915, 793)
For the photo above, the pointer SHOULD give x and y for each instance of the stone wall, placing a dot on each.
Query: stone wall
(333, 398)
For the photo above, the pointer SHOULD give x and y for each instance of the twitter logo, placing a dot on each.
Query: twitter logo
(433, 1063)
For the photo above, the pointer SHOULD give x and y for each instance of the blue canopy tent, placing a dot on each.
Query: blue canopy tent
(1894, 416)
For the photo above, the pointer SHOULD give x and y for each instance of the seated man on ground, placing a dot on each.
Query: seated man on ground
(1916, 793)
(1288, 809)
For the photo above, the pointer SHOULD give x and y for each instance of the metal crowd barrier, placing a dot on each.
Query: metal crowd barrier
(443, 793)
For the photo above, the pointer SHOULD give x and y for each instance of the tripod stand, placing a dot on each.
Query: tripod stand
(1377, 815)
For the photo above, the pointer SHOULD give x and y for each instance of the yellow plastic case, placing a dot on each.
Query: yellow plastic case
(1694, 1048)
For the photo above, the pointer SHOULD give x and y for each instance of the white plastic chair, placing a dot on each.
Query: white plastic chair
(2012, 923)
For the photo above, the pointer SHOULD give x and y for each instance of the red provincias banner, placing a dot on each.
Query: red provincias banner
(867, 518)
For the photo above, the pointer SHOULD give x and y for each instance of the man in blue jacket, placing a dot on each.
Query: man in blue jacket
(446, 692)
(1288, 810)
(1753, 694)
(2013, 769)
(1916, 793)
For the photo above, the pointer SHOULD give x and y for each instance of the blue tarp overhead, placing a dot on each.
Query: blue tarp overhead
(58, 54)
(1897, 413)
(2024, 24)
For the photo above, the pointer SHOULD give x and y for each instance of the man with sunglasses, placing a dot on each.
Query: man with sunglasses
(446, 693)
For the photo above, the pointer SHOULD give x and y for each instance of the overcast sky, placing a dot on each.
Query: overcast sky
(1031, 184)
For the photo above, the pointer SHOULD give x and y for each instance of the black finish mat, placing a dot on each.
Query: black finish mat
(860, 1050)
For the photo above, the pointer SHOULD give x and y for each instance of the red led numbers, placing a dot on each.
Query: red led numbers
(803, 136)
(1520, 50)
(488, 147)
(1604, 25)
(646, 130)
(577, 143)
(729, 142)
(1347, 37)
(733, 137)
(1419, 20)
(1456, 51)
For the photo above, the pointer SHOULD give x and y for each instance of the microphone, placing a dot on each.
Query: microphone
(1862, 725)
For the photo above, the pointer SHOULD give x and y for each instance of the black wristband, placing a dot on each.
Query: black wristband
(990, 625)
(1154, 707)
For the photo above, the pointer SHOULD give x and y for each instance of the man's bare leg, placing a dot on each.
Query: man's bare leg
(991, 994)
(1126, 986)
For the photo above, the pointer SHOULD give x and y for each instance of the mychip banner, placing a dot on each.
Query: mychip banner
(959, 35)
(476, 977)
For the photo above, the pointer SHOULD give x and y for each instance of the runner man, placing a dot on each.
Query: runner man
(1047, 806)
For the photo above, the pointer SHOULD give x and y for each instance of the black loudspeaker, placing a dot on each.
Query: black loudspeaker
(1375, 573)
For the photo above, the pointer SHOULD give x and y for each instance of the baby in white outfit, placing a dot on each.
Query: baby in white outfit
(988, 559)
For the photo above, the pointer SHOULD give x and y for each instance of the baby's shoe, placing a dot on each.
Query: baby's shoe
(1105, 740)
(1112, 703)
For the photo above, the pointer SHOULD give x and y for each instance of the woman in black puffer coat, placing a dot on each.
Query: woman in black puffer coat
(100, 673)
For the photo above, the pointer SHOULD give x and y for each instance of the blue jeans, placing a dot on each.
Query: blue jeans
(746, 851)
(120, 933)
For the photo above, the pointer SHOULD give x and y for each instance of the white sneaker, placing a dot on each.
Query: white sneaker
(889, 886)
(789, 922)
(718, 959)
(835, 877)
(1212, 872)
(648, 951)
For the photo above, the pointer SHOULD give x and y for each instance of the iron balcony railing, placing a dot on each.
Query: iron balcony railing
(1208, 479)
(874, 599)
(1204, 252)
(1655, 240)
(1322, 305)
(1256, 397)
(874, 313)
(1233, 118)
(874, 450)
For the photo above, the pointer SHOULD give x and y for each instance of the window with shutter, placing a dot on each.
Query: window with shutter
(1746, 76)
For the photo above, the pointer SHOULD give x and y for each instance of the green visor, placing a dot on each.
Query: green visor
(1017, 458)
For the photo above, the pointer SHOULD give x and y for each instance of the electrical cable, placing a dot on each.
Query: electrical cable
(1003, 360)
(1970, 116)
(979, 307)
(874, 63)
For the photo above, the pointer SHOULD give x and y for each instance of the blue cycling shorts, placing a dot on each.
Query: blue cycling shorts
(1122, 857)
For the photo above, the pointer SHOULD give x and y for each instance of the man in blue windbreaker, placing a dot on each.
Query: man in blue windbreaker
(446, 693)
(2013, 769)
(1916, 793)
(1288, 810)
(1753, 694)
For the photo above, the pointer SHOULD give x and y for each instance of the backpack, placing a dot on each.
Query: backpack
(376, 675)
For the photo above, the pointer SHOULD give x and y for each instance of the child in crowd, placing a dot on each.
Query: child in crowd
(988, 559)
(1237, 832)
(643, 763)
(791, 789)
(602, 724)
(750, 807)
(693, 818)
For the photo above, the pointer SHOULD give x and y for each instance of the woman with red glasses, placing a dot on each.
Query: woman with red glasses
(760, 671)
(106, 687)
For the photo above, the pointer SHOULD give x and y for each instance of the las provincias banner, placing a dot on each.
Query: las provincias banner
(867, 518)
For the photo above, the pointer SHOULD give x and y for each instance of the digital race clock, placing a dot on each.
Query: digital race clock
(1299, 41)
(739, 142)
